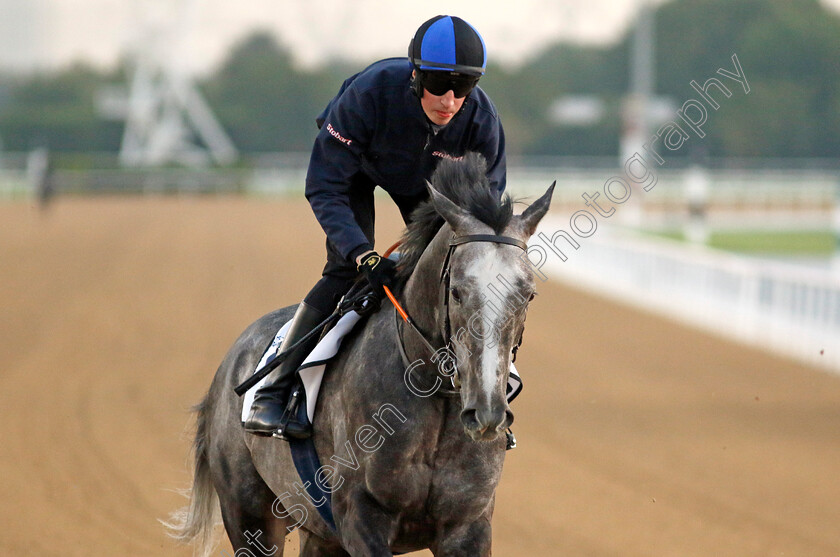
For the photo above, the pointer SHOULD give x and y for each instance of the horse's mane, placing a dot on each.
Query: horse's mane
(465, 183)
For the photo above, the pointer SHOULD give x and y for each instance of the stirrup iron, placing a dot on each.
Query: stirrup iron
(288, 413)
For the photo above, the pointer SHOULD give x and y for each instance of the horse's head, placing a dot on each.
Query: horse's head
(486, 286)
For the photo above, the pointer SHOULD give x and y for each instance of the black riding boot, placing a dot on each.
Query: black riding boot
(270, 402)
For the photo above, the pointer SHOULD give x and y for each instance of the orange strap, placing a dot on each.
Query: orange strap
(388, 292)
(390, 250)
(396, 303)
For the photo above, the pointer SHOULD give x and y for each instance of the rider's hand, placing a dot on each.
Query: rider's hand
(379, 271)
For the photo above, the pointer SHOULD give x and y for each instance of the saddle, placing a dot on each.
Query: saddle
(311, 371)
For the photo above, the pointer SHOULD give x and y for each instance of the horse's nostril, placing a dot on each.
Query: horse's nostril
(508, 419)
(485, 422)
(469, 417)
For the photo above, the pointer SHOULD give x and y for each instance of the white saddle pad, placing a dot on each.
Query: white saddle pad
(312, 369)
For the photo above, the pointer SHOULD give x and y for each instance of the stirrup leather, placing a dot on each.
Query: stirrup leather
(289, 413)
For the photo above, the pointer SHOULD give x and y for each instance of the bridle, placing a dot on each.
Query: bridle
(447, 325)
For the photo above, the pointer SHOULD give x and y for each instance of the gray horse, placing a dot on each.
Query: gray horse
(408, 467)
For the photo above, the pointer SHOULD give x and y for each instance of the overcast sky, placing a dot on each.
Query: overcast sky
(49, 33)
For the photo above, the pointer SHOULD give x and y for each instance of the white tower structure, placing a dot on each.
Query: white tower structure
(166, 118)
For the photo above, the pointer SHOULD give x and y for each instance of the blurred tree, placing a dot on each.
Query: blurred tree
(788, 50)
(57, 110)
(264, 102)
(524, 95)
(790, 53)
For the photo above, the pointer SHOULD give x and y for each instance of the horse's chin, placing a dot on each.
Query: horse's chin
(484, 437)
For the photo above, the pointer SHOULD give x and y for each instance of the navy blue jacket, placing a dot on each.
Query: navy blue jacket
(377, 127)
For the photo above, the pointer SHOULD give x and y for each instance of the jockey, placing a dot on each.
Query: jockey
(389, 125)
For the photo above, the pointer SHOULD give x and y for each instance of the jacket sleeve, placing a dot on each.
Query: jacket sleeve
(336, 157)
(492, 146)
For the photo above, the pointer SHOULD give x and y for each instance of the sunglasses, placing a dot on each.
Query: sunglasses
(439, 83)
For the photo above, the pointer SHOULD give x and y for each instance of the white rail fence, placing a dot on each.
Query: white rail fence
(733, 199)
(782, 308)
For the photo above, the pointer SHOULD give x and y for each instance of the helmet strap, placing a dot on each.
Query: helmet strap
(417, 84)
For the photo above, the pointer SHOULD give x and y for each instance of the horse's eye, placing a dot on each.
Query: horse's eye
(532, 296)
(456, 296)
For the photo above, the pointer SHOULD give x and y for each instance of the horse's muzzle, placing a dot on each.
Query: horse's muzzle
(486, 424)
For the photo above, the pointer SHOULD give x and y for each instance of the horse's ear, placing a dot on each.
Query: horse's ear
(454, 215)
(532, 216)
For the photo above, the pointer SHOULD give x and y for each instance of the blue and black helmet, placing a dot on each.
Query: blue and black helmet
(447, 48)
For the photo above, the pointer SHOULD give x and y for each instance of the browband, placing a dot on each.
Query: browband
(458, 240)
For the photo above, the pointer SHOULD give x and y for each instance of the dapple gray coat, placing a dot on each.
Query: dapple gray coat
(408, 472)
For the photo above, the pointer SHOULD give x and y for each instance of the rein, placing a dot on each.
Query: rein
(444, 284)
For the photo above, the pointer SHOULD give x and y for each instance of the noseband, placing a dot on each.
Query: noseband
(444, 285)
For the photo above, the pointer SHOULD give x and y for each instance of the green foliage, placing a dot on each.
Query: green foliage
(523, 98)
(57, 111)
(764, 242)
(264, 102)
(788, 50)
(775, 242)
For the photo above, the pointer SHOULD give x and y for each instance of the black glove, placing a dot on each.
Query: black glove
(378, 271)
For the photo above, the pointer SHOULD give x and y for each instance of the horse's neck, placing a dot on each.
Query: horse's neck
(423, 287)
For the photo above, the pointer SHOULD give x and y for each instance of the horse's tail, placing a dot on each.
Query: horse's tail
(195, 523)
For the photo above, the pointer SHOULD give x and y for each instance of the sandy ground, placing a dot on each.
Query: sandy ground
(638, 437)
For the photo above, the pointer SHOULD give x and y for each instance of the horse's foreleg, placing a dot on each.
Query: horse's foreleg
(366, 528)
(465, 540)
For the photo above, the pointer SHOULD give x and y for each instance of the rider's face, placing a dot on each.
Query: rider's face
(441, 108)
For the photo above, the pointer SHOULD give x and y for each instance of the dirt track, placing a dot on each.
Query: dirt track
(638, 437)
